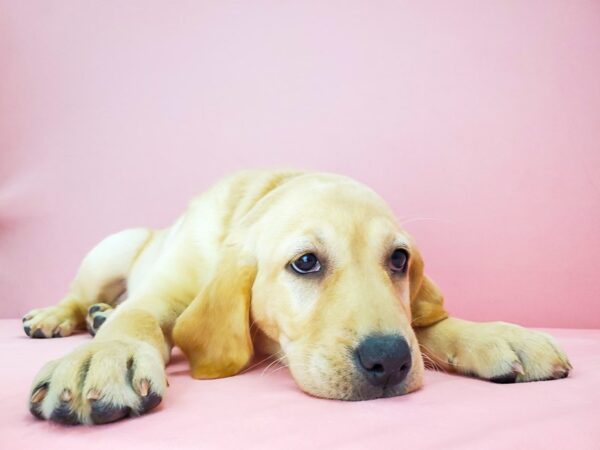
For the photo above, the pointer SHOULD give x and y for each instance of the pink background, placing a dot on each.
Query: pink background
(479, 122)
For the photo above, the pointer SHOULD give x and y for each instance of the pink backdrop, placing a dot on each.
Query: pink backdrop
(479, 122)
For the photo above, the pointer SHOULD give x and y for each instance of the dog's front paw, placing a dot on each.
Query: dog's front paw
(507, 353)
(54, 321)
(100, 382)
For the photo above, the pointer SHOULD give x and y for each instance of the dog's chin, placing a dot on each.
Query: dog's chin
(361, 390)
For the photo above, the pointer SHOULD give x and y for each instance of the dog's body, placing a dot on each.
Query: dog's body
(312, 268)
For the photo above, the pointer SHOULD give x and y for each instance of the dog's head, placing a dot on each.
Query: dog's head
(320, 271)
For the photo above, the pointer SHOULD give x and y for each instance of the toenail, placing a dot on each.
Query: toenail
(39, 394)
(93, 394)
(517, 368)
(66, 396)
(144, 387)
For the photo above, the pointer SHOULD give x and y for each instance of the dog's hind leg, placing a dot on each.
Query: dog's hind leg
(101, 278)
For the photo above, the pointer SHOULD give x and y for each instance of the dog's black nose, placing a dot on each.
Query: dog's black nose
(384, 359)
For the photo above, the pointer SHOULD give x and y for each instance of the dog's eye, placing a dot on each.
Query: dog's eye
(399, 260)
(307, 263)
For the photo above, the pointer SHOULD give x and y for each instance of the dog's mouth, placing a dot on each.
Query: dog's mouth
(364, 392)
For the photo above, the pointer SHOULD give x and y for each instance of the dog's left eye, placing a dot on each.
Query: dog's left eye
(399, 260)
(307, 263)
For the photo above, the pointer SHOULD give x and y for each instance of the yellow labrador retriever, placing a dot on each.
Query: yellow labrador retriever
(312, 268)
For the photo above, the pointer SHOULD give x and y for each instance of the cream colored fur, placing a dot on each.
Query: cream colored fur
(218, 283)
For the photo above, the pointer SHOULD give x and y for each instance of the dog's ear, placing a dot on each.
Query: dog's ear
(426, 298)
(214, 330)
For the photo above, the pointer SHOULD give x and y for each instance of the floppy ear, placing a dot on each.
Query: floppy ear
(426, 298)
(214, 330)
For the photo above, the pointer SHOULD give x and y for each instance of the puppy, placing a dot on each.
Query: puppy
(312, 268)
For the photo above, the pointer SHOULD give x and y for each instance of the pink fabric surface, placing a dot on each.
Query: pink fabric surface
(263, 408)
(477, 121)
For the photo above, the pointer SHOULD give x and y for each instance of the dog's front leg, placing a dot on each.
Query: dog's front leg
(495, 351)
(118, 374)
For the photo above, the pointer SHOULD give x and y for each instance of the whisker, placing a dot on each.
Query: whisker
(283, 366)
(430, 354)
(278, 360)
(431, 364)
(259, 362)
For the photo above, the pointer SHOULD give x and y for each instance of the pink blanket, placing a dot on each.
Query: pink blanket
(263, 408)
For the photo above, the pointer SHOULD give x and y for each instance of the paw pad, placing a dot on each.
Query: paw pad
(97, 315)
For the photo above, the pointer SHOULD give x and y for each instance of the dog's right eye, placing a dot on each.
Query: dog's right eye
(399, 260)
(307, 263)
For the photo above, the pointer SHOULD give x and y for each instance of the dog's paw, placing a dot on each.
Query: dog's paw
(100, 382)
(54, 321)
(96, 316)
(507, 353)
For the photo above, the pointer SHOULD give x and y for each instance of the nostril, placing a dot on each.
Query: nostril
(377, 368)
(370, 364)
